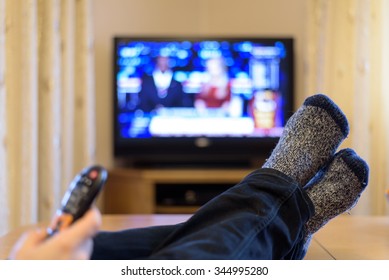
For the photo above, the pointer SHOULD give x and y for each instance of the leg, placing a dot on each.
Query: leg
(129, 244)
(263, 217)
(232, 225)
(263, 200)
(241, 224)
(267, 215)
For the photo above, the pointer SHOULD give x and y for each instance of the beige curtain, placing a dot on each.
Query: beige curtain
(47, 102)
(346, 57)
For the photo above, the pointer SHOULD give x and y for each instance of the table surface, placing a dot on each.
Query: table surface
(346, 237)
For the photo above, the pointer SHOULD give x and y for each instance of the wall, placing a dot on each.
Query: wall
(347, 59)
(185, 17)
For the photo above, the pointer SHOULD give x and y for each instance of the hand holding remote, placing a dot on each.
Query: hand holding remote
(79, 197)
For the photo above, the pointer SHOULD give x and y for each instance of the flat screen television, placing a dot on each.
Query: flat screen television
(200, 100)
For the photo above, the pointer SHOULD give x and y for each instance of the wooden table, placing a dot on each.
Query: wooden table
(354, 238)
(346, 237)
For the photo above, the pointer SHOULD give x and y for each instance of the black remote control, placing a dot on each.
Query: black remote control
(79, 197)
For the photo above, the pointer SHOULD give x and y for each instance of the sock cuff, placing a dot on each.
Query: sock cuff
(324, 102)
(359, 167)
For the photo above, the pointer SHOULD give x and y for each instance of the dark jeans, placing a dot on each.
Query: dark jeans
(262, 217)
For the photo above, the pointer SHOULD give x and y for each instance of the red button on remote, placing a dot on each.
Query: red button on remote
(93, 174)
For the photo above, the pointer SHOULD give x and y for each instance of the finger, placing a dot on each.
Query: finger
(84, 228)
(33, 237)
(27, 241)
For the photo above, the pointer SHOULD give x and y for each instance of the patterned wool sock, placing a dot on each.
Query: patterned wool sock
(336, 189)
(310, 138)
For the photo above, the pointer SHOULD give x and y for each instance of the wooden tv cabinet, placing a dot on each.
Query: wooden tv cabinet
(133, 191)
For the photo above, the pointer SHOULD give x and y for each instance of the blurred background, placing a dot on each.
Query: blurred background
(56, 80)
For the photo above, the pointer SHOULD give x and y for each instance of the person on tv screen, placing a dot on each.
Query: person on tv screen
(215, 92)
(161, 89)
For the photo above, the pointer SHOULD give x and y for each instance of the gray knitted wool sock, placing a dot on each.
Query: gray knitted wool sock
(310, 138)
(336, 188)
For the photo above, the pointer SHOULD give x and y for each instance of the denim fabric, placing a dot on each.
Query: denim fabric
(262, 217)
(129, 244)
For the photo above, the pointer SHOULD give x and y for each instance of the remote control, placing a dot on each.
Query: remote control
(79, 197)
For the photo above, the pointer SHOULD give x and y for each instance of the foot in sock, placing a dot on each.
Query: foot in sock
(336, 188)
(310, 138)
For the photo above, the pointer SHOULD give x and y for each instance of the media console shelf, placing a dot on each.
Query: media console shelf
(134, 191)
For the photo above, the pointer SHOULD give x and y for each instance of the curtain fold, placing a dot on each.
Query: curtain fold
(28, 126)
(4, 202)
(346, 58)
(46, 68)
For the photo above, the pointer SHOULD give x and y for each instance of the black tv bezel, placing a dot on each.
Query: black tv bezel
(157, 151)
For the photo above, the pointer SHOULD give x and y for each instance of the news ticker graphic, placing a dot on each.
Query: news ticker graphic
(191, 270)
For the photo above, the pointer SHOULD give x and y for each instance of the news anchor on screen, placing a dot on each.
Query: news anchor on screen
(216, 91)
(161, 89)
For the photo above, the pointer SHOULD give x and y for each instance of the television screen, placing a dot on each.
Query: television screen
(191, 96)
